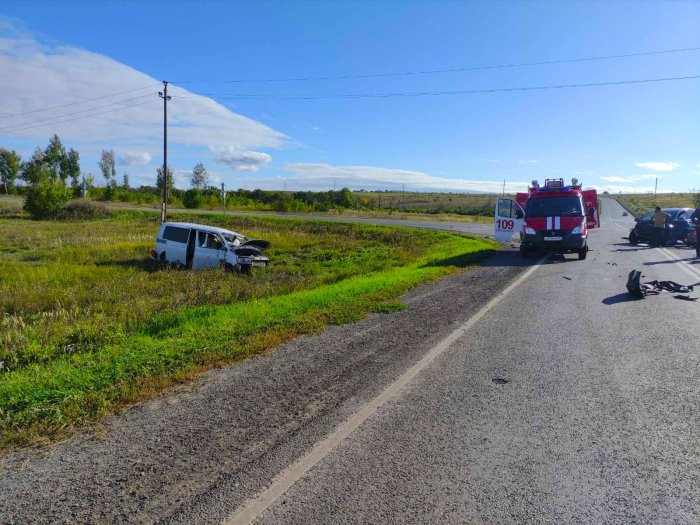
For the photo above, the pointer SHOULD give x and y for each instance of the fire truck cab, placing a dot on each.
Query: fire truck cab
(553, 217)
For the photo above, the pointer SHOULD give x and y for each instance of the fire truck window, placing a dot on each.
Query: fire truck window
(506, 208)
(554, 206)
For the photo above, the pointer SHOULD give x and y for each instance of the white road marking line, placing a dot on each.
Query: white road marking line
(255, 507)
(690, 270)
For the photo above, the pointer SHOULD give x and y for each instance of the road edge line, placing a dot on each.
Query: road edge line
(254, 507)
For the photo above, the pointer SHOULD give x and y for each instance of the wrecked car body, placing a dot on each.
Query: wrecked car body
(679, 229)
(199, 246)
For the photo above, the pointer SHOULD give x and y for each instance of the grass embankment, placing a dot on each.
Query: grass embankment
(88, 324)
(639, 204)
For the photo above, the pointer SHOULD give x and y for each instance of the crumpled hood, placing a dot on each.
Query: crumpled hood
(252, 247)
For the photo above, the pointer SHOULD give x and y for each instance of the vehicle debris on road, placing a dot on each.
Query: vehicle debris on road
(640, 290)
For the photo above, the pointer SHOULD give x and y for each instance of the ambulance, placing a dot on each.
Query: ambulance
(553, 217)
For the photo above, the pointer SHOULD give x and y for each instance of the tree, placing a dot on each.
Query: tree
(192, 198)
(54, 157)
(170, 182)
(695, 195)
(200, 177)
(108, 167)
(125, 181)
(45, 199)
(70, 168)
(35, 170)
(10, 163)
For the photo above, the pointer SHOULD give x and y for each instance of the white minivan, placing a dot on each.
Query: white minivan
(197, 246)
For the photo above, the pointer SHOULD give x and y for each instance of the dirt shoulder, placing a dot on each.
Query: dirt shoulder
(192, 454)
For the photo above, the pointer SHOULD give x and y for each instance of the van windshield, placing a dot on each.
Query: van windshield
(554, 207)
(234, 240)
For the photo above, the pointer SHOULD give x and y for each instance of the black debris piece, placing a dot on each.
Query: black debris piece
(685, 297)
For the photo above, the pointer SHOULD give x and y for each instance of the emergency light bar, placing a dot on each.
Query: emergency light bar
(553, 183)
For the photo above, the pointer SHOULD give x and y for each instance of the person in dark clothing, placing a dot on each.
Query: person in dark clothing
(695, 219)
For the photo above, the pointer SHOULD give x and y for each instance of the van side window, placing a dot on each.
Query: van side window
(175, 234)
(214, 242)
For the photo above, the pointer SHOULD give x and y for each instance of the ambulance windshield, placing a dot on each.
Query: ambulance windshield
(554, 207)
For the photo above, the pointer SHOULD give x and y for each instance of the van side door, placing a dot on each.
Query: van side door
(210, 250)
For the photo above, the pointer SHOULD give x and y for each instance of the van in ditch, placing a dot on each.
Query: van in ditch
(196, 246)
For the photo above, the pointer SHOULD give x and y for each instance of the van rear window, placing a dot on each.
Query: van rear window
(175, 234)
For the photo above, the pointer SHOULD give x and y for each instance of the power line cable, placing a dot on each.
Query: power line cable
(75, 113)
(251, 96)
(437, 71)
(79, 101)
(77, 118)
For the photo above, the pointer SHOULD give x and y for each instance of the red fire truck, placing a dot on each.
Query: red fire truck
(552, 217)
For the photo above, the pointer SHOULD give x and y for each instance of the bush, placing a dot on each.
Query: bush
(192, 198)
(82, 209)
(46, 199)
(12, 212)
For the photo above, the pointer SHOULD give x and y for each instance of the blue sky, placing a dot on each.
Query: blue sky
(612, 137)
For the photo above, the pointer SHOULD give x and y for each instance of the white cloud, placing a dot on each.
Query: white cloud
(134, 158)
(36, 76)
(636, 178)
(528, 161)
(615, 188)
(324, 176)
(658, 166)
(240, 160)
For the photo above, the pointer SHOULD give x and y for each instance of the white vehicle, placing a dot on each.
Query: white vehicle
(200, 246)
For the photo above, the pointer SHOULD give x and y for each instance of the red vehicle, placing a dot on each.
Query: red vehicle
(552, 217)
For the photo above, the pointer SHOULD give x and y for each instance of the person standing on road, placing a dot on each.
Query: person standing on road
(695, 219)
(660, 219)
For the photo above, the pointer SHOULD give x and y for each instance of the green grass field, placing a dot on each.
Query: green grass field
(432, 202)
(88, 324)
(639, 204)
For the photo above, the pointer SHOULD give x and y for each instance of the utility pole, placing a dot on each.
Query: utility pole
(223, 197)
(656, 184)
(503, 194)
(163, 206)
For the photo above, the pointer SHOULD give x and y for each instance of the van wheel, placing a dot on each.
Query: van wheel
(582, 253)
(163, 262)
(633, 238)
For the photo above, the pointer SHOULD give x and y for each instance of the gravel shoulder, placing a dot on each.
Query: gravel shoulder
(194, 453)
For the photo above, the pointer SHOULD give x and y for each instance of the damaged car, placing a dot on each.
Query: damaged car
(677, 230)
(197, 246)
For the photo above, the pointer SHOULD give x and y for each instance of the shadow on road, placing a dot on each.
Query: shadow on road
(668, 261)
(619, 298)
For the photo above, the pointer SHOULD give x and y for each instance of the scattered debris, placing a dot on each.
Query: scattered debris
(685, 297)
(567, 278)
(499, 380)
(639, 291)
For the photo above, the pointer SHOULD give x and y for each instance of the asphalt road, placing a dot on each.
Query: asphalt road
(475, 228)
(515, 393)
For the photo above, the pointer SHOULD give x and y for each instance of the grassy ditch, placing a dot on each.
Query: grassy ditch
(88, 324)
